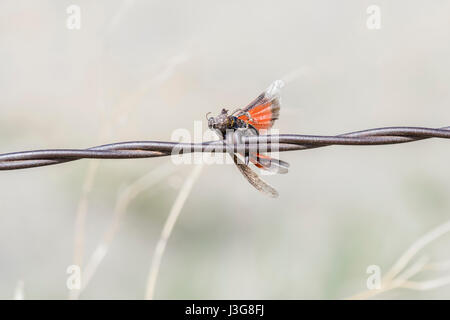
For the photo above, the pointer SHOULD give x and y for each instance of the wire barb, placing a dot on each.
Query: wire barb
(282, 142)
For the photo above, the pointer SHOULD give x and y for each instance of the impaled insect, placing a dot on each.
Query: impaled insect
(260, 114)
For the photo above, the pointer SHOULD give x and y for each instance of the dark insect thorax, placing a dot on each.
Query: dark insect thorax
(237, 123)
(233, 123)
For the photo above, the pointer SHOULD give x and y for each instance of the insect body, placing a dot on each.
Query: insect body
(225, 122)
(260, 114)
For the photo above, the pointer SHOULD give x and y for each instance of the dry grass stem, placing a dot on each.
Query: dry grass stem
(399, 275)
(167, 230)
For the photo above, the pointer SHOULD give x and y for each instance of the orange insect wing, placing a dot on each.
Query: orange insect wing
(261, 116)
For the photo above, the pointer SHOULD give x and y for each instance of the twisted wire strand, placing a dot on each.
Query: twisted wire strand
(281, 143)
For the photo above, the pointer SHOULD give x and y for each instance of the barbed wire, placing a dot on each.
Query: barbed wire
(281, 143)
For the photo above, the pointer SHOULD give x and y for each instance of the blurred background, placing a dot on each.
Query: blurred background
(138, 70)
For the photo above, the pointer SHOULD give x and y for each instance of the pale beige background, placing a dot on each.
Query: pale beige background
(141, 69)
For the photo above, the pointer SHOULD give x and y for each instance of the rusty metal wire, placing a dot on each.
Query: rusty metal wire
(283, 142)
